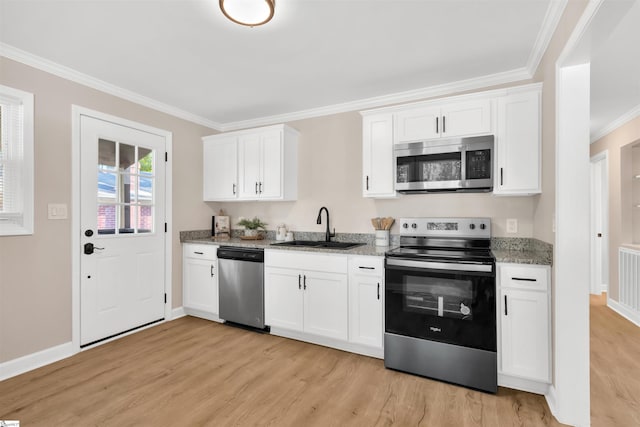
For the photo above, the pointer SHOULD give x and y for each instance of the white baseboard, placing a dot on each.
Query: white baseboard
(624, 311)
(530, 386)
(36, 360)
(550, 397)
(604, 288)
(176, 313)
(202, 314)
(330, 342)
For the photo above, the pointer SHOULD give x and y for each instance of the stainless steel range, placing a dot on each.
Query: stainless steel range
(440, 302)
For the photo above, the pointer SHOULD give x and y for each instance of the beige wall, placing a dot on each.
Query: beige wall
(330, 174)
(618, 147)
(35, 271)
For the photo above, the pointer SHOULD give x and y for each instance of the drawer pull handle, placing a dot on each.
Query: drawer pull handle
(199, 253)
(367, 268)
(505, 306)
(524, 279)
(378, 290)
(304, 282)
(211, 270)
(299, 284)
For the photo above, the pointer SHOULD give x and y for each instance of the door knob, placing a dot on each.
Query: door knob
(89, 248)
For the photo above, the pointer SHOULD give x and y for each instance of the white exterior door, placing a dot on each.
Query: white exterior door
(122, 214)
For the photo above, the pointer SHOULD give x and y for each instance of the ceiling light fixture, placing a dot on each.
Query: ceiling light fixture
(248, 12)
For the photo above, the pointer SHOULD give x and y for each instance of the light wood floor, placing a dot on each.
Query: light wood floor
(615, 367)
(192, 372)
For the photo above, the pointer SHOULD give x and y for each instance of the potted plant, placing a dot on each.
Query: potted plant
(252, 226)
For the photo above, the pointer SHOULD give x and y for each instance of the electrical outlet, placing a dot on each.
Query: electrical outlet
(512, 225)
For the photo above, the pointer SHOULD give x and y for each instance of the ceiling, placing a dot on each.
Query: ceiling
(316, 56)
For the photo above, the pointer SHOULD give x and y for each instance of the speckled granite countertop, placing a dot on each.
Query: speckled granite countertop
(522, 250)
(505, 249)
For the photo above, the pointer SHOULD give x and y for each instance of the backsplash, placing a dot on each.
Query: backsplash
(368, 238)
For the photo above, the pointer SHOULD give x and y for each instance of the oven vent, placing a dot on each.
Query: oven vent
(629, 278)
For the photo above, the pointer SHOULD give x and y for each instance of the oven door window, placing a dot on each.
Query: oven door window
(451, 307)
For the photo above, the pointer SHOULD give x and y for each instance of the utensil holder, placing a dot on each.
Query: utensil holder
(382, 237)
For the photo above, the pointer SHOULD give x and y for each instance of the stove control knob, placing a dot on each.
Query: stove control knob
(472, 226)
(482, 226)
(405, 225)
(414, 225)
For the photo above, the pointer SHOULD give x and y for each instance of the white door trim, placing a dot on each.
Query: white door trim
(598, 288)
(76, 112)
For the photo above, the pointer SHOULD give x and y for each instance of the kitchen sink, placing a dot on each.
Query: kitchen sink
(319, 244)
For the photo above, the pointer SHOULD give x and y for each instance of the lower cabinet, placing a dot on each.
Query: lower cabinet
(304, 300)
(325, 299)
(366, 290)
(200, 280)
(525, 326)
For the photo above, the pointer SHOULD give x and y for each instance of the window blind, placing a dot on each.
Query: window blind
(16, 162)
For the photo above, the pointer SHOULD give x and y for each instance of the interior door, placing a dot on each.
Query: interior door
(122, 214)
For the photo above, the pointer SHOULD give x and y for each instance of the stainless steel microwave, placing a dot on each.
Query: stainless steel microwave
(460, 164)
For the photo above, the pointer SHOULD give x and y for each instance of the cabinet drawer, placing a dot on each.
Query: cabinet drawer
(329, 263)
(533, 278)
(367, 265)
(200, 251)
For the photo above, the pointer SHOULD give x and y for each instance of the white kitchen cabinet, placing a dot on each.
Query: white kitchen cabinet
(377, 156)
(264, 165)
(311, 297)
(366, 288)
(524, 320)
(518, 144)
(220, 168)
(447, 120)
(200, 280)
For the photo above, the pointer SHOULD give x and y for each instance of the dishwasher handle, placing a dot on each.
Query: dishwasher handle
(241, 254)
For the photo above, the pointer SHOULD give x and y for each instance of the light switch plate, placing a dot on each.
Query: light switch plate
(512, 225)
(57, 211)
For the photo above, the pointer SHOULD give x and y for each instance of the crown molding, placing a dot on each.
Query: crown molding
(625, 118)
(67, 73)
(384, 100)
(549, 25)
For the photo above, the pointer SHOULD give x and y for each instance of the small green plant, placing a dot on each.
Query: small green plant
(252, 224)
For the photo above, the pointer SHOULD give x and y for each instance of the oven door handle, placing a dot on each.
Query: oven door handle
(430, 265)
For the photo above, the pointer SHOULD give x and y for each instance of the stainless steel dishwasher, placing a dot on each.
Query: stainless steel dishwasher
(241, 285)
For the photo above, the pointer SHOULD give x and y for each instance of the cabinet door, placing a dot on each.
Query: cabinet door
(249, 158)
(525, 334)
(270, 184)
(200, 285)
(518, 144)
(377, 156)
(326, 305)
(365, 310)
(283, 298)
(417, 124)
(466, 118)
(220, 169)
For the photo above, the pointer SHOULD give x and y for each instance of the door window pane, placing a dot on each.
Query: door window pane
(127, 158)
(106, 154)
(107, 186)
(106, 219)
(125, 193)
(145, 164)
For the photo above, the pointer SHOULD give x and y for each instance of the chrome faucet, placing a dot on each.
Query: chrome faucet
(328, 235)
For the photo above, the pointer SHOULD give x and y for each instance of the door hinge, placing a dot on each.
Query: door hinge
(165, 298)
(166, 156)
(165, 227)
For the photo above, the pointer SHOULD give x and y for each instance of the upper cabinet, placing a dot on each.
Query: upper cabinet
(377, 156)
(256, 164)
(518, 144)
(446, 120)
(512, 115)
(220, 168)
